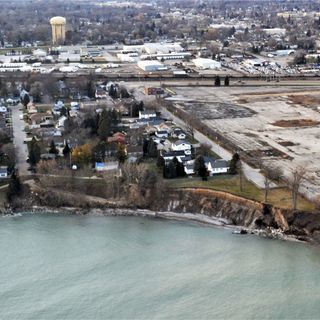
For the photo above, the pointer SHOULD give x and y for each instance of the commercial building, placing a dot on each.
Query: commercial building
(58, 26)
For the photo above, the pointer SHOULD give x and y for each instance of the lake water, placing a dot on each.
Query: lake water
(91, 267)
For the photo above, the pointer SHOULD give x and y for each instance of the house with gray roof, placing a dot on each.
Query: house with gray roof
(216, 166)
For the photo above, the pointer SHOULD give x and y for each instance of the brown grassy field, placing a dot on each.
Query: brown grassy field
(279, 197)
(296, 123)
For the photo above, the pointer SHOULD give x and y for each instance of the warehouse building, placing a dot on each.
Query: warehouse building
(151, 65)
(166, 56)
(202, 63)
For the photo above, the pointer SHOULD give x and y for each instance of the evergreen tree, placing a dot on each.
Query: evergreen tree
(136, 107)
(92, 122)
(145, 147)
(232, 31)
(180, 169)
(124, 93)
(233, 168)
(160, 161)
(66, 150)
(53, 148)
(104, 125)
(113, 92)
(63, 111)
(25, 99)
(114, 117)
(152, 149)
(14, 188)
(91, 90)
(227, 81)
(99, 152)
(34, 152)
(200, 168)
(170, 171)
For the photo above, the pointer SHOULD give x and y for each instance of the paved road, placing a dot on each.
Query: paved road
(19, 136)
(250, 173)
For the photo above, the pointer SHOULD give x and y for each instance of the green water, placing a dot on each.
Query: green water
(90, 267)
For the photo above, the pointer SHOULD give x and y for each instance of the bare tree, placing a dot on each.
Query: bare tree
(239, 169)
(298, 175)
(190, 130)
(270, 174)
(133, 173)
(204, 149)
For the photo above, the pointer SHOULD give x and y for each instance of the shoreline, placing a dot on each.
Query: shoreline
(198, 218)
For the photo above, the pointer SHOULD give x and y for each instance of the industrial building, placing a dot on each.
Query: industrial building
(167, 56)
(151, 65)
(202, 63)
(58, 26)
(153, 48)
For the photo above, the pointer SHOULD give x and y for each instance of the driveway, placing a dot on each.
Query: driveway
(19, 137)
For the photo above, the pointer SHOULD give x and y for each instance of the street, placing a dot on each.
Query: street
(19, 137)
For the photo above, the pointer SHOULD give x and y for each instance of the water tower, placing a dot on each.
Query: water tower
(58, 26)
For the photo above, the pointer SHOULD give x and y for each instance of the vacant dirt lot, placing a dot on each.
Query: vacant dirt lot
(277, 125)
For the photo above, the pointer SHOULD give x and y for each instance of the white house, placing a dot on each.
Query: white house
(58, 105)
(101, 94)
(178, 133)
(188, 169)
(217, 166)
(181, 145)
(162, 134)
(75, 105)
(169, 156)
(147, 114)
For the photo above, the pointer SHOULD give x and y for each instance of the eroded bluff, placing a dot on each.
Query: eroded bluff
(243, 212)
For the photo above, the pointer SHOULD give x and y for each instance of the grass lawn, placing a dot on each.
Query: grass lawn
(152, 165)
(279, 197)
